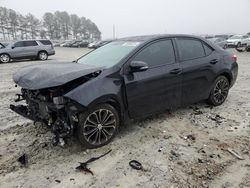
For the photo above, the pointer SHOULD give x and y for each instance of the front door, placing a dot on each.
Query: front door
(17, 50)
(157, 88)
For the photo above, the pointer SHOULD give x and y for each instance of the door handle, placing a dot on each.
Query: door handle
(175, 71)
(214, 61)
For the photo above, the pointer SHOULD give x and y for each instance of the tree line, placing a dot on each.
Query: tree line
(57, 25)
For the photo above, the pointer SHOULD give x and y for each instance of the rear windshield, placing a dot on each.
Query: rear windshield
(45, 42)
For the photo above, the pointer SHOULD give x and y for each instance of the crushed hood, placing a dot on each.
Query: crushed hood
(51, 74)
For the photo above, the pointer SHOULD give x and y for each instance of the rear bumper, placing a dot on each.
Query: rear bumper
(52, 52)
(234, 74)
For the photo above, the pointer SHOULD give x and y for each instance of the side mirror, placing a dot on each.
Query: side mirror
(12, 47)
(138, 66)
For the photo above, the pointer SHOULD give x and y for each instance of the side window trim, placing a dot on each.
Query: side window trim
(205, 44)
(150, 43)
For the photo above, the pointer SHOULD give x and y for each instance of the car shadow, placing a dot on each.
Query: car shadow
(161, 116)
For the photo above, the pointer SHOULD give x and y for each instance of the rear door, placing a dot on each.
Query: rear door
(31, 48)
(158, 87)
(199, 63)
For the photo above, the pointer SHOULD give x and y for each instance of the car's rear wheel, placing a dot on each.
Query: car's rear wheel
(4, 58)
(219, 91)
(42, 55)
(98, 126)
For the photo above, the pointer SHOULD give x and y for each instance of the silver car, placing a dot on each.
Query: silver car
(219, 41)
(27, 49)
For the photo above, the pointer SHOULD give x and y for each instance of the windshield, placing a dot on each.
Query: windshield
(236, 37)
(109, 54)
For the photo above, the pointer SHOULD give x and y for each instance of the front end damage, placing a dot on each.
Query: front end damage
(51, 107)
(45, 106)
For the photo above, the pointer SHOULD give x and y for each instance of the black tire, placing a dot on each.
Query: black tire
(225, 46)
(248, 48)
(238, 45)
(98, 126)
(42, 56)
(219, 91)
(4, 58)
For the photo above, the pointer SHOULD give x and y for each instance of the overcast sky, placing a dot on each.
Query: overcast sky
(141, 17)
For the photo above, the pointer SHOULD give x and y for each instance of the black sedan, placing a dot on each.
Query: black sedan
(126, 79)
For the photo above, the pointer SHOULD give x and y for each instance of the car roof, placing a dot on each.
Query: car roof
(146, 38)
(32, 40)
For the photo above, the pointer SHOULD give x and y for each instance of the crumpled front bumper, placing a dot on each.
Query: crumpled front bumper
(22, 110)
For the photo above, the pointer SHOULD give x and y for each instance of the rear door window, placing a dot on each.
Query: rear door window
(45, 42)
(190, 49)
(158, 53)
(30, 43)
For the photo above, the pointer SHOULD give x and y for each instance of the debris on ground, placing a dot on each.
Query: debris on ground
(166, 137)
(160, 149)
(83, 166)
(196, 110)
(23, 160)
(174, 155)
(135, 165)
(234, 153)
(217, 118)
(57, 181)
(189, 137)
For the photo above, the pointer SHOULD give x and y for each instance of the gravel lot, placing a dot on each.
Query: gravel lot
(187, 147)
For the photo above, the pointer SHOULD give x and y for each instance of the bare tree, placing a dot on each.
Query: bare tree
(48, 22)
(13, 21)
(3, 20)
(75, 24)
(33, 22)
(56, 25)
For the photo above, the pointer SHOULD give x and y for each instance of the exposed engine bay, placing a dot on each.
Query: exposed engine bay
(52, 108)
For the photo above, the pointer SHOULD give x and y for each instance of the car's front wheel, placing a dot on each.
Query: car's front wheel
(219, 91)
(98, 125)
(4, 58)
(43, 55)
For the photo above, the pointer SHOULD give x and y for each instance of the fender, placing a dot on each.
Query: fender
(96, 90)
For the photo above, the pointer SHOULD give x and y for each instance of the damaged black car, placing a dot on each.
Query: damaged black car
(129, 78)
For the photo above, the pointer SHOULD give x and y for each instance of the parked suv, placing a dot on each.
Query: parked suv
(126, 79)
(27, 49)
(237, 40)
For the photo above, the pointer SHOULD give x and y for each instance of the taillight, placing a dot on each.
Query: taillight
(234, 58)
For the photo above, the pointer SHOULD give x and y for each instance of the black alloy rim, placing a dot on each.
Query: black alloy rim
(221, 91)
(99, 126)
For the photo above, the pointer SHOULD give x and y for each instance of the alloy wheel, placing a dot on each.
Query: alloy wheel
(4, 58)
(43, 56)
(221, 91)
(99, 126)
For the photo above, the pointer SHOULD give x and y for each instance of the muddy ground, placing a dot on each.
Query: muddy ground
(187, 147)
